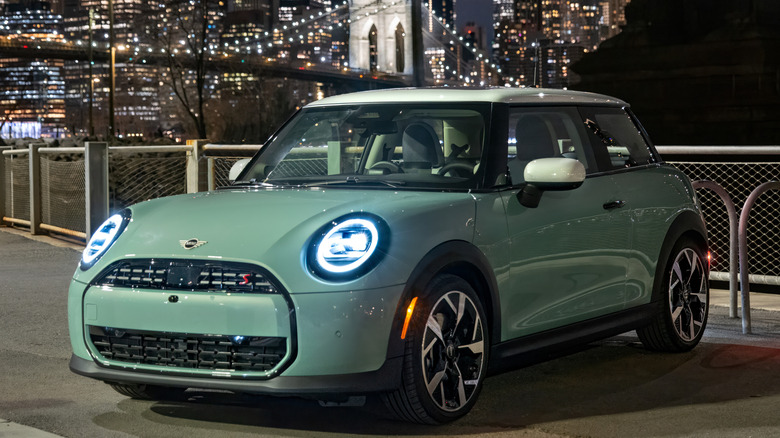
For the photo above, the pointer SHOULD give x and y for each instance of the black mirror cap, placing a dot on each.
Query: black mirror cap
(530, 196)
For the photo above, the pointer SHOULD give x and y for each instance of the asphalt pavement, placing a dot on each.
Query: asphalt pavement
(728, 386)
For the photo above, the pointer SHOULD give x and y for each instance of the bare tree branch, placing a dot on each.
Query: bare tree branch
(185, 40)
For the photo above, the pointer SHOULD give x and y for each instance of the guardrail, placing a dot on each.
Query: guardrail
(715, 168)
(69, 191)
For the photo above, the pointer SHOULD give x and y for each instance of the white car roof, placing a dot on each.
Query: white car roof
(533, 96)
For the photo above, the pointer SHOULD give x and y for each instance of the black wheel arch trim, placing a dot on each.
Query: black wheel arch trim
(459, 258)
(687, 223)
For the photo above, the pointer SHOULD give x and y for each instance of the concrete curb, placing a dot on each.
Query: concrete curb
(758, 300)
(43, 239)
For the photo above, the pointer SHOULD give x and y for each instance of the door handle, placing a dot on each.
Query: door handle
(614, 204)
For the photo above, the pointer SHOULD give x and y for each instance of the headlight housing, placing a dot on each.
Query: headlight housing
(102, 239)
(348, 247)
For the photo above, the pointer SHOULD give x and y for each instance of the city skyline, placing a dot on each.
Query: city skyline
(153, 99)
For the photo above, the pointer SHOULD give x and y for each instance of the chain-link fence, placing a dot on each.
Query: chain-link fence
(221, 159)
(63, 191)
(739, 179)
(17, 183)
(137, 177)
(134, 176)
(220, 168)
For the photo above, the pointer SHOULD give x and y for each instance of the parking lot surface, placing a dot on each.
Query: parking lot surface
(728, 386)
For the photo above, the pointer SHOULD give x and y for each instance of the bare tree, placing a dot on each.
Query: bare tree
(185, 36)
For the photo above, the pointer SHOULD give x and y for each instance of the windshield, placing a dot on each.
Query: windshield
(385, 145)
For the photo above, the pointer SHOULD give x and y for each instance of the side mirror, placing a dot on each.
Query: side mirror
(237, 168)
(549, 174)
(555, 173)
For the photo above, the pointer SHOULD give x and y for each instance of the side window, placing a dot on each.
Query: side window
(543, 133)
(617, 140)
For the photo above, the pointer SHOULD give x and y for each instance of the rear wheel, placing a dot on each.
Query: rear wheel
(446, 355)
(684, 301)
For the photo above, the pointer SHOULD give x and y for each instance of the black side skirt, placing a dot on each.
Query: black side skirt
(543, 346)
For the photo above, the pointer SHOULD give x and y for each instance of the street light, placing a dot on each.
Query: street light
(112, 64)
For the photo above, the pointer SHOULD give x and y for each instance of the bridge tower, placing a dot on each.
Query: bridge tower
(380, 36)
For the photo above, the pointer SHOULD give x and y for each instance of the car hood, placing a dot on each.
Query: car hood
(272, 228)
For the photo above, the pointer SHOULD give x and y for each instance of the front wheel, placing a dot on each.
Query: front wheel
(684, 304)
(446, 355)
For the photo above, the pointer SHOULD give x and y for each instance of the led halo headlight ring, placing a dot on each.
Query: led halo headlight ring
(348, 247)
(102, 239)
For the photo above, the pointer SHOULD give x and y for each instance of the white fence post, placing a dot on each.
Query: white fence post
(2, 184)
(95, 184)
(35, 188)
(193, 164)
(210, 172)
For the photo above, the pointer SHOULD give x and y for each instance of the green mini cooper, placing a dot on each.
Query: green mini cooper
(404, 243)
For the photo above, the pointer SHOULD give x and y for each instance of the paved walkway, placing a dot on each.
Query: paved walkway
(752, 389)
(15, 430)
(719, 297)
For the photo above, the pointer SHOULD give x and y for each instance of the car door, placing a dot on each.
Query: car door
(644, 189)
(568, 255)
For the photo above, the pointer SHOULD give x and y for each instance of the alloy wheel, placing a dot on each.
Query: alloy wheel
(688, 294)
(453, 351)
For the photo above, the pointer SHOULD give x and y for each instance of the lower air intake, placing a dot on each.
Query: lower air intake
(189, 351)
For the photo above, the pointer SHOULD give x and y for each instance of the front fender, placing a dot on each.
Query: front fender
(458, 258)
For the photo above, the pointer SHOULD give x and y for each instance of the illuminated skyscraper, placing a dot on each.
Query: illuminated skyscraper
(537, 45)
(247, 22)
(308, 43)
(32, 90)
(136, 106)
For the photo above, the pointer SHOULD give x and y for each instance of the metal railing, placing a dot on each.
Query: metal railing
(756, 238)
(71, 190)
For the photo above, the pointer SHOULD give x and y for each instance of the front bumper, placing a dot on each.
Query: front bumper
(386, 378)
(338, 342)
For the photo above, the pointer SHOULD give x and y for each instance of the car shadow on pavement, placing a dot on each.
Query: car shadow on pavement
(618, 378)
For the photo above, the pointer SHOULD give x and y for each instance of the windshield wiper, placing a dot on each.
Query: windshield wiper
(353, 180)
(252, 182)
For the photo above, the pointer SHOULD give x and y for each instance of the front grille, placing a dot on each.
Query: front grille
(191, 275)
(189, 351)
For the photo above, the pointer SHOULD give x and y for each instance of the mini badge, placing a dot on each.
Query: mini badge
(192, 243)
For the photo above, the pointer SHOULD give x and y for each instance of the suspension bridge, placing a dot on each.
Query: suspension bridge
(381, 50)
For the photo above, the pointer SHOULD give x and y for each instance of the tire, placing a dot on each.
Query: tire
(446, 355)
(684, 304)
(148, 392)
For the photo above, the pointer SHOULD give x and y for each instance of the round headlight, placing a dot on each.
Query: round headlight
(103, 237)
(348, 247)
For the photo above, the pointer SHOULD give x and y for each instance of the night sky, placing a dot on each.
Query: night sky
(479, 11)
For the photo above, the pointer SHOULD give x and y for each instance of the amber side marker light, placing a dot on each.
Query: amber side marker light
(709, 260)
(409, 311)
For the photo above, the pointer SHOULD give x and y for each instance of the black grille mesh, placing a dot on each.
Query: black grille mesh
(189, 351)
(193, 275)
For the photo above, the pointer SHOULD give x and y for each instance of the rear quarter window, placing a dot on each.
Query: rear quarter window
(617, 140)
